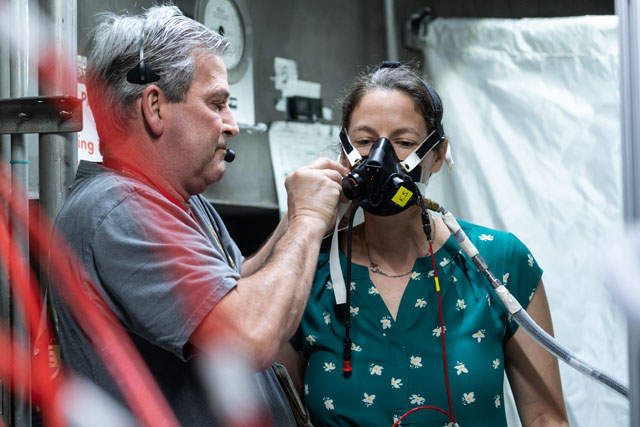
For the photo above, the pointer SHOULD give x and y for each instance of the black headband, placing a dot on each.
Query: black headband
(437, 105)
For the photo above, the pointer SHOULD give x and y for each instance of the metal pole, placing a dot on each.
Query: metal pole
(5, 156)
(390, 27)
(19, 168)
(58, 153)
(629, 17)
(5, 144)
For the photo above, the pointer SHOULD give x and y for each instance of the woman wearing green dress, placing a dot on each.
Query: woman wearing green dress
(396, 320)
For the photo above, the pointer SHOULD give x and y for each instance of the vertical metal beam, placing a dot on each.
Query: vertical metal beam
(5, 156)
(390, 27)
(5, 150)
(629, 19)
(58, 153)
(19, 167)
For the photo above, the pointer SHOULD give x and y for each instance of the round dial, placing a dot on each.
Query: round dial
(224, 17)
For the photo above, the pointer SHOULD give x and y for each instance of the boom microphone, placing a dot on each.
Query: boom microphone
(229, 156)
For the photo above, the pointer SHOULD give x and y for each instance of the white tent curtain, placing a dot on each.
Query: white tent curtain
(531, 108)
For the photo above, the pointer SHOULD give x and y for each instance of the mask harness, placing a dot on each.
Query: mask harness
(383, 185)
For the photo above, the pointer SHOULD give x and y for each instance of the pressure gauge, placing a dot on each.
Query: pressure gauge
(230, 19)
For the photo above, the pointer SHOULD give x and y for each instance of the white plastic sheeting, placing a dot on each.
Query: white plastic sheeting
(531, 108)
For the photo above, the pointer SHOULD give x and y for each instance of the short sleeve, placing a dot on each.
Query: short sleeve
(521, 276)
(159, 272)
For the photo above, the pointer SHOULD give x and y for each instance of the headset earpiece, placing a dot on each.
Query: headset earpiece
(142, 74)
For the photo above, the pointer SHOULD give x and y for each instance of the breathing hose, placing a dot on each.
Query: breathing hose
(517, 312)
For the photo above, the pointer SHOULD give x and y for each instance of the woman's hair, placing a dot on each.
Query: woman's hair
(170, 40)
(401, 78)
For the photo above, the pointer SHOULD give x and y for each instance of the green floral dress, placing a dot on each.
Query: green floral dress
(397, 364)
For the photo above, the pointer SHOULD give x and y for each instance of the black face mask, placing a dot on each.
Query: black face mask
(380, 184)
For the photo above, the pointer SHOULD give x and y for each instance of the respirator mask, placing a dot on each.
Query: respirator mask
(381, 183)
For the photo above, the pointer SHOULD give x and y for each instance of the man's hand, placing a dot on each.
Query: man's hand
(314, 192)
(265, 308)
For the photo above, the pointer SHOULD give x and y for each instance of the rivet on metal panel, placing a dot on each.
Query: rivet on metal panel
(24, 116)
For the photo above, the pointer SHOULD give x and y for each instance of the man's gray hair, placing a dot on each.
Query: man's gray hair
(171, 41)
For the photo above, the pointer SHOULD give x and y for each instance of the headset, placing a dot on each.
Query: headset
(142, 74)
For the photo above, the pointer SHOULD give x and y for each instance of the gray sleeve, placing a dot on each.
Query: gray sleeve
(161, 274)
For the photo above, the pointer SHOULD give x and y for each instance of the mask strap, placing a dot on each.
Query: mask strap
(337, 280)
(349, 150)
(429, 143)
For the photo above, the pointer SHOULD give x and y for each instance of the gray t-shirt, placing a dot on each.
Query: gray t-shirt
(159, 267)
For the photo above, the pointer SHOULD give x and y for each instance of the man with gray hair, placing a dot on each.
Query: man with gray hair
(156, 250)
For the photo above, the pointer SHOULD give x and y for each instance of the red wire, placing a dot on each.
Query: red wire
(27, 296)
(444, 351)
(420, 408)
(444, 354)
(116, 350)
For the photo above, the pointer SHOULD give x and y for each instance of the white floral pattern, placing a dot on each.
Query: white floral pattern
(486, 237)
(375, 369)
(415, 362)
(472, 361)
(438, 331)
(386, 322)
(368, 399)
(505, 278)
(396, 382)
(479, 335)
(416, 399)
(328, 403)
(327, 317)
(468, 398)
(460, 368)
(329, 366)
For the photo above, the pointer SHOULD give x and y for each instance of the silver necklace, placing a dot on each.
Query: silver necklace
(375, 268)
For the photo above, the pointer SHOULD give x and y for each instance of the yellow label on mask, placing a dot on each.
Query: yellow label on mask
(402, 196)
